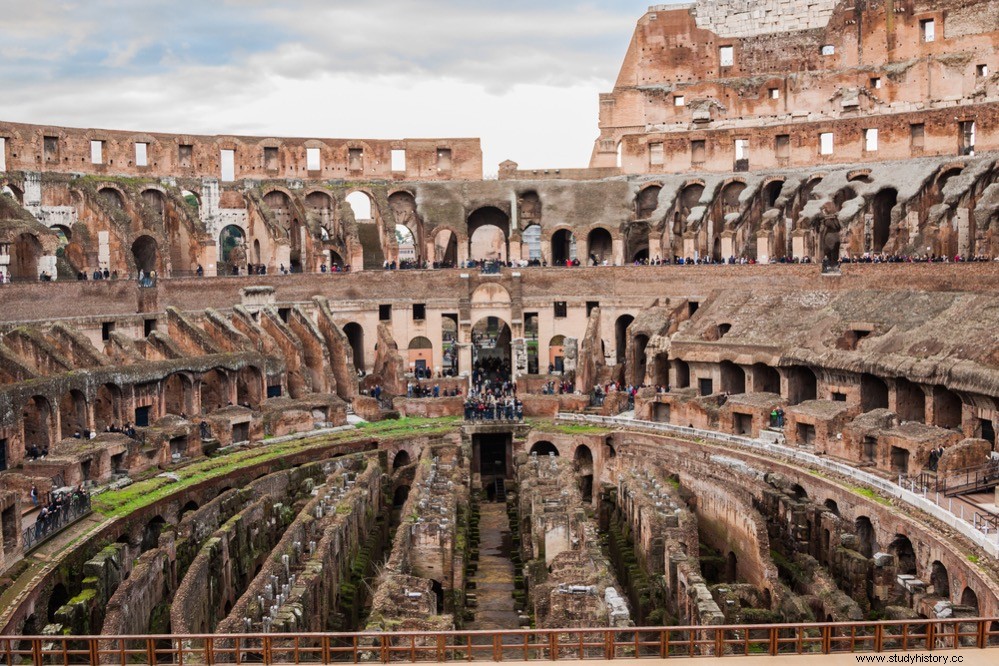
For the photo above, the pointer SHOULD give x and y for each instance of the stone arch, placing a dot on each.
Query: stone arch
(859, 176)
(544, 448)
(599, 246)
(947, 408)
(491, 345)
(401, 459)
(765, 379)
(112, 197)
(733, 378)
(563, 247)
(556, 353)
(681, 373)
(145, 254)
(530, 207)
(58, 598)
(582, 459)
(831, 505)
(771, 192)
(910, 400)
(421, 353)
(647, 201)
(490, 295)
(37, 423)
(802, 384)
(970, 599)
(321, 205)
(26, 251)
(881, 207)
(107, 407)
(640, 342)
(843, 195)
(355, 336)
(404, 211)
(940, 579)
(14, 192)
(867, 543)
(621, 325)
(232, 247)
(190, 506)
(151, 533)
(214, 390)
(489, 234)
(905, 554)
(155, 202)
(362, 204)
(72, 413)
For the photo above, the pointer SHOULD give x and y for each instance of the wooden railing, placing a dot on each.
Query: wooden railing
(512, 645)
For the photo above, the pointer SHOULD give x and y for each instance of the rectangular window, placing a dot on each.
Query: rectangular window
(97, 152)
(828, 50)
(50, 148)
(185, 155)
(967, 130)
(590, 306)
(876, 82)
(398, 160)
(981, 71)
(3, 154)
(838, 397)
(917, 135)
(106, 329)
(726, 56)
(679, 100)
(775, 93)
(782, 146)
(560, 309)
(443, 159)
(742, 154)
(826, 143)
(148, 326)
(385, 312)
(656, 157)
(228, 158)
(355, 159)
(706, 385)
(697, 151)
(313, 162)
(419, 311)
(271, 159)
(142, 154)
(928, 30)
(871, 140)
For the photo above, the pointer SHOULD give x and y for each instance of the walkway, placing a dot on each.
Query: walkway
(494, 577)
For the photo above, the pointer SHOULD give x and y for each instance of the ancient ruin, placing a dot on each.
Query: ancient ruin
(741, 371)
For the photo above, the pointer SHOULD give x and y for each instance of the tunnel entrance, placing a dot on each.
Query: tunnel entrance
(492, 458)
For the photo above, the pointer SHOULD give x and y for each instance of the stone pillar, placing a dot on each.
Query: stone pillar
(516, 248)
(103, 249)
(689, 248)
(617, 252)
(464, 358)
(47, 264)
(964, 237)
(727, 245)
(655, 246)
(763, 252)
(799, 244)
(463, 249)
(519, 349)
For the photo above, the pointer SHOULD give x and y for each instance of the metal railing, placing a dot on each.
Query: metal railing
(509, 645)
(969, 480)
(76, 507)
(989, 542)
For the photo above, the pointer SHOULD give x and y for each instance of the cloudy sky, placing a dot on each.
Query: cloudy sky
(521, 74)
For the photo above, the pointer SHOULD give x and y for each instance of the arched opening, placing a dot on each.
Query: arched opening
(531, 244)
(940, 579)
(401, 459)
(26, 250)
(910, 401)
(107, 407)
(144, 254)
(802, 384)
(400, 496)
(153, 200)
(647, 202)
(771, 193)
(369, 234)
(178, 391)
(873, 393)
(733, 378)
(681, 371)
(57, 599)
(232, 248)
(905, 555)
(320, 206)
(489, 231)
(832, 507)
(970, 600)
(731, 568)
(355, 336)
(14, 192)
(884, 201)
(360, 204)
(730, 201)
(249, 387)
(799, 493)
(446, 249)
(449, 339)
(842, 196)
(151, 533)
(765, 379)
(491, 353)
(213, 391)
(438, 591)
(112, 198)
(193, 202)
(621, 337)
(641, 342)
(544, 449)
(600, 246)
(73, 413)
(583, 462)
(408, 228)
(188, 508)
(556, 354)
(37, 423)
(563, 247)
(947, 408)
(867, 543)
(406, 242)
(421, 352)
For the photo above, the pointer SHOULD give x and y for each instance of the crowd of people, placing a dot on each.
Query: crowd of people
(489, 406)
(557, 388)
(60, 508)
(415, 390)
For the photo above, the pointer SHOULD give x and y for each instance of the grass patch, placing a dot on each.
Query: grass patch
(870, 494)
(973, 559)
(572, 428)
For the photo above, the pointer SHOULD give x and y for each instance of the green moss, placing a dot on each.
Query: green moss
(973, 559)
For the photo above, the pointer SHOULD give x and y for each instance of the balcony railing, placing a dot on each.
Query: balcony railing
(75, 507)
(511, 645)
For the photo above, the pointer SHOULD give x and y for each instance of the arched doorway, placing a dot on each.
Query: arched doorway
(621, 337)
(491, 350)
(446, 249)
(369, 232)
(178, 391)
(556, 354)
(249, 387)
(214, 393)
(600, 246)
(583, 462)
(401, 459)
(72, 413)
(232, 248)
(647, 202)
(489, 233)
(641, 342)
(421, 355)
(884, 201)
(543, 449)
(107, 407)
(905, 555)
(355, 336)
(563, 247)
(406, 242)
(408, 228)
(449, 339)
(37, 423)
(111, 198)
(531, 248)
(940, 579)
(867, 541)
(144, 253)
